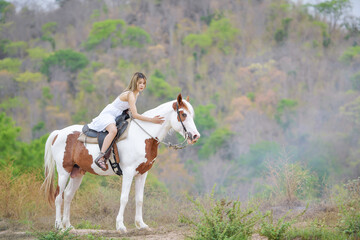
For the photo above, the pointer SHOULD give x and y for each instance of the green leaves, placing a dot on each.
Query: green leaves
(285, 112)
(220, 33)
(68, 59)
(103, 30)
(350, 55)
(11, 65)
(215, 142)
(161, 89)
(118, 33)
(223, 34)
(135, 37)
(223, 220)
(202, 41)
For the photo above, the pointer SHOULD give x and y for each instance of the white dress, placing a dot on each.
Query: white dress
(108, 115)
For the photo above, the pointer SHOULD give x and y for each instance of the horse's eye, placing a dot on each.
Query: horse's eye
(184, 115)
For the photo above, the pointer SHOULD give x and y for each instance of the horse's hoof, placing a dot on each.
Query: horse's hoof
(122, 230)
(147, 229)
(70, 227)
(59, 226)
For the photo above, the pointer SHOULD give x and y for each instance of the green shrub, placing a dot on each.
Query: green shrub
(274, 230)
(349, 210)
(289, 180)
(57, 235)
(224, 220)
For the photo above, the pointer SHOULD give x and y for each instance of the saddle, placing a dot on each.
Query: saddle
(91, 136)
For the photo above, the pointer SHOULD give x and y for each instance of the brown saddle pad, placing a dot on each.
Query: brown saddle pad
(85, 139)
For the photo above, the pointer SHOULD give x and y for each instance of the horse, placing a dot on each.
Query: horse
(137, 154)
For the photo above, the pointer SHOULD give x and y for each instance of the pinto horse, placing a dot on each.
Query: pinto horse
(137, 154)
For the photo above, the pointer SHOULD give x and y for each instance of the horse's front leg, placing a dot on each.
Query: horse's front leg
(125, 189)
(139, 196)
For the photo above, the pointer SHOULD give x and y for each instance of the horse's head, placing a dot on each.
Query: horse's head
(182, 120)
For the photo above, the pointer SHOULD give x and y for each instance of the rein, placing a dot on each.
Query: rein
(169, 145)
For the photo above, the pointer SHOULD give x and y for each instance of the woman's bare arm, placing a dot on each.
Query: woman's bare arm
(136, 115)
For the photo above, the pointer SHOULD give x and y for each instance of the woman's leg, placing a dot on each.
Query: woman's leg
(111, 128)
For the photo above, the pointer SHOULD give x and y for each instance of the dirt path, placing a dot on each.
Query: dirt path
(155, 234)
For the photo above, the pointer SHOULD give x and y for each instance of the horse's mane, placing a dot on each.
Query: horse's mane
(167, 107)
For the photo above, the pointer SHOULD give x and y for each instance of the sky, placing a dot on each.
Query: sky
(50, 4)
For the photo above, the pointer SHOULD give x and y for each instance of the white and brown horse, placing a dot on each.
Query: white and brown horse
(137, 154)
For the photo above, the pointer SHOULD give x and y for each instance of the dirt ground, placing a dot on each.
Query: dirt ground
(154, 234)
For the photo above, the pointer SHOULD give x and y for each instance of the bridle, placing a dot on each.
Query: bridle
(186, 133)
(169, 145)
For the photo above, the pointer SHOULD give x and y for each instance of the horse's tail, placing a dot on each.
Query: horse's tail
(48, 184)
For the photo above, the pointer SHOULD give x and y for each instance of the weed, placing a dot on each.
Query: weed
(289, 180)
(56, 235)
(317, 230)
(274, 230)
(224, 220)
(87, 225)
(277, 230)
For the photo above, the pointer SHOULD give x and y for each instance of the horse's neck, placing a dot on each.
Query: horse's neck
(158, 130)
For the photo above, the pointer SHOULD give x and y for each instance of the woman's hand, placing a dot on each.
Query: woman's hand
(157, 119)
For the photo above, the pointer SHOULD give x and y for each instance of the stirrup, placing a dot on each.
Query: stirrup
(101, 154)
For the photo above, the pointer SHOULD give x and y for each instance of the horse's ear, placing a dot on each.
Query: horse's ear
(187, 98)
(179, 99)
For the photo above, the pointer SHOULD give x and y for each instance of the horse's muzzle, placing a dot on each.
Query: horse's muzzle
(193, 139)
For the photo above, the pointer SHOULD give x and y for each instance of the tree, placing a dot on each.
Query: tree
(105, 30)
(48, 30)
(135, 37)
(67, 60)
(8, 134)
(160, 88)
(223, 34)
(333, 10)
(285, 112)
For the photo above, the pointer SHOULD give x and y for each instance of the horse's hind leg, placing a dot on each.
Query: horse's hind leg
(62, 180)
(139, 196)
(69, 193)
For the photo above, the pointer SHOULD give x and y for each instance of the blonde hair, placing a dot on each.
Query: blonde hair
(134, 80)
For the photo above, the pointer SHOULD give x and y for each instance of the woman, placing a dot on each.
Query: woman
(106, 119)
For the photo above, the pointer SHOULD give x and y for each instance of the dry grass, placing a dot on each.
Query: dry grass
(23, 204)
(21, 197)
